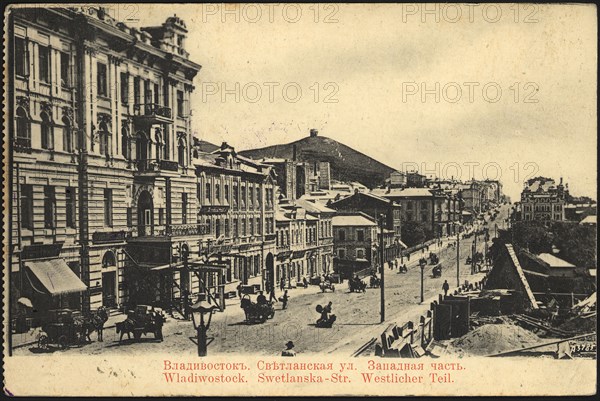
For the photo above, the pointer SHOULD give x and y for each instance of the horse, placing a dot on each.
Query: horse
(125, 327)
(94, 321)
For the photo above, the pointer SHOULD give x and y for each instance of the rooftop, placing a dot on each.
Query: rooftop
(404, 193)
(353, 220)
(553, 261)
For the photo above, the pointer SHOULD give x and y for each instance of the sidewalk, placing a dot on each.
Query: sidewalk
(412, 313)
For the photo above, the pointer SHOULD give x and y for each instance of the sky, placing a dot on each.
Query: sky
(484, 91)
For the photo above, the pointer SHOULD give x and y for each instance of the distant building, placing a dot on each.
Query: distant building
(398, 179)
(415, 180)
(355, 242)
(373, 205)
(431, 207)
(542, 199)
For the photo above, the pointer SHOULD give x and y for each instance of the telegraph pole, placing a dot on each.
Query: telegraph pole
(458, 258)
(381, 252)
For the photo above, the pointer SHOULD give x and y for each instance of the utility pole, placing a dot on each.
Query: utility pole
(458, 258)
(381, 252)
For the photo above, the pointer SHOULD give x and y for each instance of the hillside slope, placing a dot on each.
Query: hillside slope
(346, 163)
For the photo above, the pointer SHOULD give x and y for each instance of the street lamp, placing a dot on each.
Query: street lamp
(422, 264)
(199, 310)
(382, 250)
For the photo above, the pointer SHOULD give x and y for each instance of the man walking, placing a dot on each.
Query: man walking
(445, 287)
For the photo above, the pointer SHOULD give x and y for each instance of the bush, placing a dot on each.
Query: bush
(414, 233)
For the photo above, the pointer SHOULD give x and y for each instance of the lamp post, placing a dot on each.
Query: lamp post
(457, 257)
(200, 309)
(422, 264)
(381, 251)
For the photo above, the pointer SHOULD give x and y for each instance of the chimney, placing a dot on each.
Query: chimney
(294, 152)
(314, 133)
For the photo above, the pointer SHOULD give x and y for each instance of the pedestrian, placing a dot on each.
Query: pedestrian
(272, 297)
(282, 283)
(289, 349)
(445, 287)
(284, 299)
(396, 264)
(239, 289)
(159, 320)
(261, 299)
(408, 256)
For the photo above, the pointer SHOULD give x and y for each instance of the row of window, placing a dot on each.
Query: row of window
(45, 62)
(410, 217)
(241, 195)
(50, 207)
(360, 235)
(542, 208)
(241, 227)
(359, 253)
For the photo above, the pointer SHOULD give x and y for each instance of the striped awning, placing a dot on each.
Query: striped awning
(55, 276)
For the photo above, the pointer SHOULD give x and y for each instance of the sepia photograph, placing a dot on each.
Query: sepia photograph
(299, 199)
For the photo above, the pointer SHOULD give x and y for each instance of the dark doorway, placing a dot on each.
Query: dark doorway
(145, 214)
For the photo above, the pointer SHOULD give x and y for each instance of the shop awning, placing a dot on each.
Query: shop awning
(55, 276)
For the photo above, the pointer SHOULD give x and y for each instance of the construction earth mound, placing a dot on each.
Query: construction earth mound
(494, 338)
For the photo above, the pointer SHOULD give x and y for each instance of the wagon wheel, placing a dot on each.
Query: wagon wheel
(62, 342)
(43, 341)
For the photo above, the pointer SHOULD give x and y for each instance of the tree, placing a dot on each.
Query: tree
(414, 233)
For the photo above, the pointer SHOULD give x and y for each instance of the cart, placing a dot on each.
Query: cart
(61, 327)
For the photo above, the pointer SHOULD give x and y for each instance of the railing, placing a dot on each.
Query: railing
(151, 110)
(175, 230)
(22, 144)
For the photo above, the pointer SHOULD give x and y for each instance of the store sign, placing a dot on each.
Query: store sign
(214, 209)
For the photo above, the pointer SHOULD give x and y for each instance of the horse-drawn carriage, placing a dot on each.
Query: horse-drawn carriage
(357, 285)
(257, 312)
(64, 327)
(142, 320)
(61, 327)
(433, 258)
(327, 285)
(374, 281)
(437, 271)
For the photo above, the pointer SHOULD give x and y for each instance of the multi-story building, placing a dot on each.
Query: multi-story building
(542, 199)
(374, 205)
(323, 249)
(355, 237)
(432, 207)
(236, 202)
(102, 181)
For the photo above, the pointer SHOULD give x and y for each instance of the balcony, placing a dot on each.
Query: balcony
(154, 168)
(163, 231)
(152, 113)
(22, 145)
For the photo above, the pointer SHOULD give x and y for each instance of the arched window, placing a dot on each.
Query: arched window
(217, 228)
(47, 132)
(109, 259)
(125, 145)
(159, 144)
(103, 134)
(181, 152)
(67, 135)
(23, 128)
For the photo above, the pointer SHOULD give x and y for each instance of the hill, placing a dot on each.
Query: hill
(346, 163)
